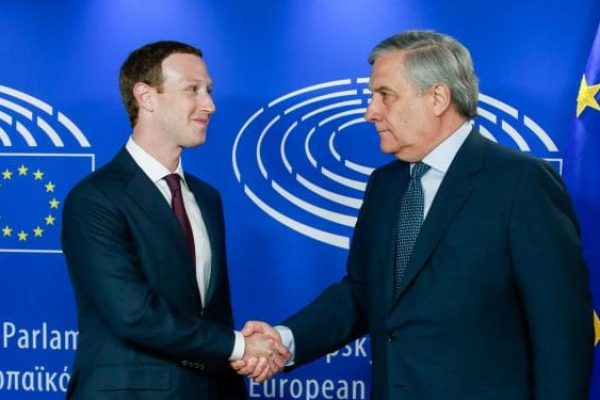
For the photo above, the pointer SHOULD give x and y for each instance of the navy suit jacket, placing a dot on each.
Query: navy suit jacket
(143, 332)
(495, 303)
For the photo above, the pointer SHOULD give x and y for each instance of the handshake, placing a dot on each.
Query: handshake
(264, 354)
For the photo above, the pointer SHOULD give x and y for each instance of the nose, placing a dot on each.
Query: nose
(208, 105)
(371, 114)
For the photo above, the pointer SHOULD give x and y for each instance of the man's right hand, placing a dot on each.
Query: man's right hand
(264, 355)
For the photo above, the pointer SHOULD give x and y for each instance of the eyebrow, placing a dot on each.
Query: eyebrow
(209, 83)
(192, 80)
(382, 88)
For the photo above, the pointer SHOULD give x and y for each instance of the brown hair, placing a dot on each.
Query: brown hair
(145, 65)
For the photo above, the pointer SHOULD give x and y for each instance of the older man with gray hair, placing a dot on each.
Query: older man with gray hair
(465, 267)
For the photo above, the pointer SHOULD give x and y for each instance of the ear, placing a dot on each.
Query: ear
(144, 95)
(442, 98)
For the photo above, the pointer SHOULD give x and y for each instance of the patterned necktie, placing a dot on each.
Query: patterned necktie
(179, 210)
(410, 220)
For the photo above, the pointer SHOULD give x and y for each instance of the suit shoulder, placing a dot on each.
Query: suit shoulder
(103, 180)
(520, 164)
(501, 152)
(511, 158)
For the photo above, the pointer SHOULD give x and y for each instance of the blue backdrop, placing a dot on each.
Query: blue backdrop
(287, 148)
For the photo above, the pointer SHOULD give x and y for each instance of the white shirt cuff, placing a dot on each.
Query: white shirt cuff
(239, 347)
(287, 338)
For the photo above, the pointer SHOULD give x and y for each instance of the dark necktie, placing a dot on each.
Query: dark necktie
(179, 210)
(410, 220)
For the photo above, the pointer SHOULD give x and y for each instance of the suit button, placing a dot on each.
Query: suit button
(203, 313)
(391, 336)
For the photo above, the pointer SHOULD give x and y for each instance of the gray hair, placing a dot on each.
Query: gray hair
(433, 58)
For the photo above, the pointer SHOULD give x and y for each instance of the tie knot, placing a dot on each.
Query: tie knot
(419, 169)
(173, 182)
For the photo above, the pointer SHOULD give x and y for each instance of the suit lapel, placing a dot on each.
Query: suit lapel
(391, 200)
(144, 192)
(455, 189)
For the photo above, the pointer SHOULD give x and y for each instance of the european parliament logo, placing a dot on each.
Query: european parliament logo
(305, 157)
(36, 172)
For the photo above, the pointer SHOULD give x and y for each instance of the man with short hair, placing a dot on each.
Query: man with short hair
(145, 248)
(465, 267)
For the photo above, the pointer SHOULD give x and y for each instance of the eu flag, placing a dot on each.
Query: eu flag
(582, 173)
(32, 189)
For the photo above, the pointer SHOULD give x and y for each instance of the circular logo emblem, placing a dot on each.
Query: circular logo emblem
(29, 121)
(305, 157)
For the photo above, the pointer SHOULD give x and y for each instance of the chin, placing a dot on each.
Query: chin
(387, 149)
(198, 140)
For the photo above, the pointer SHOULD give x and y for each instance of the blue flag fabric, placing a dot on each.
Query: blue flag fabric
(32, 189)
(582, 174)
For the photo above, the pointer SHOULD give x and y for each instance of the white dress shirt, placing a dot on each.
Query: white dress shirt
(439, 159)
(157, 172)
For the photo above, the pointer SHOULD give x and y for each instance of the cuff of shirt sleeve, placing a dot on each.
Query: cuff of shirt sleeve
(239, 347)
(287, 338)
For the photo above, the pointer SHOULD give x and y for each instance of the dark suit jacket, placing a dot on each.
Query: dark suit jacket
(143, 332)
(495, 302)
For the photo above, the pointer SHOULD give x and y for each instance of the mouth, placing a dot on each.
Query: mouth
(201, 121)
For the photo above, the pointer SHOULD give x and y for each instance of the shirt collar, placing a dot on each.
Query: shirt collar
(442, 155)
(150, 165)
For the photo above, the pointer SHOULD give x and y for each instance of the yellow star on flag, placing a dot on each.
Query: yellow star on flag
(22, 236)
(54, 203)
(7, 231)
(586, 96)
(49, 219)
(596, 328)
(7, 174)
(50, 187)
(38, 175)
(37, 232)
(23, 170)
